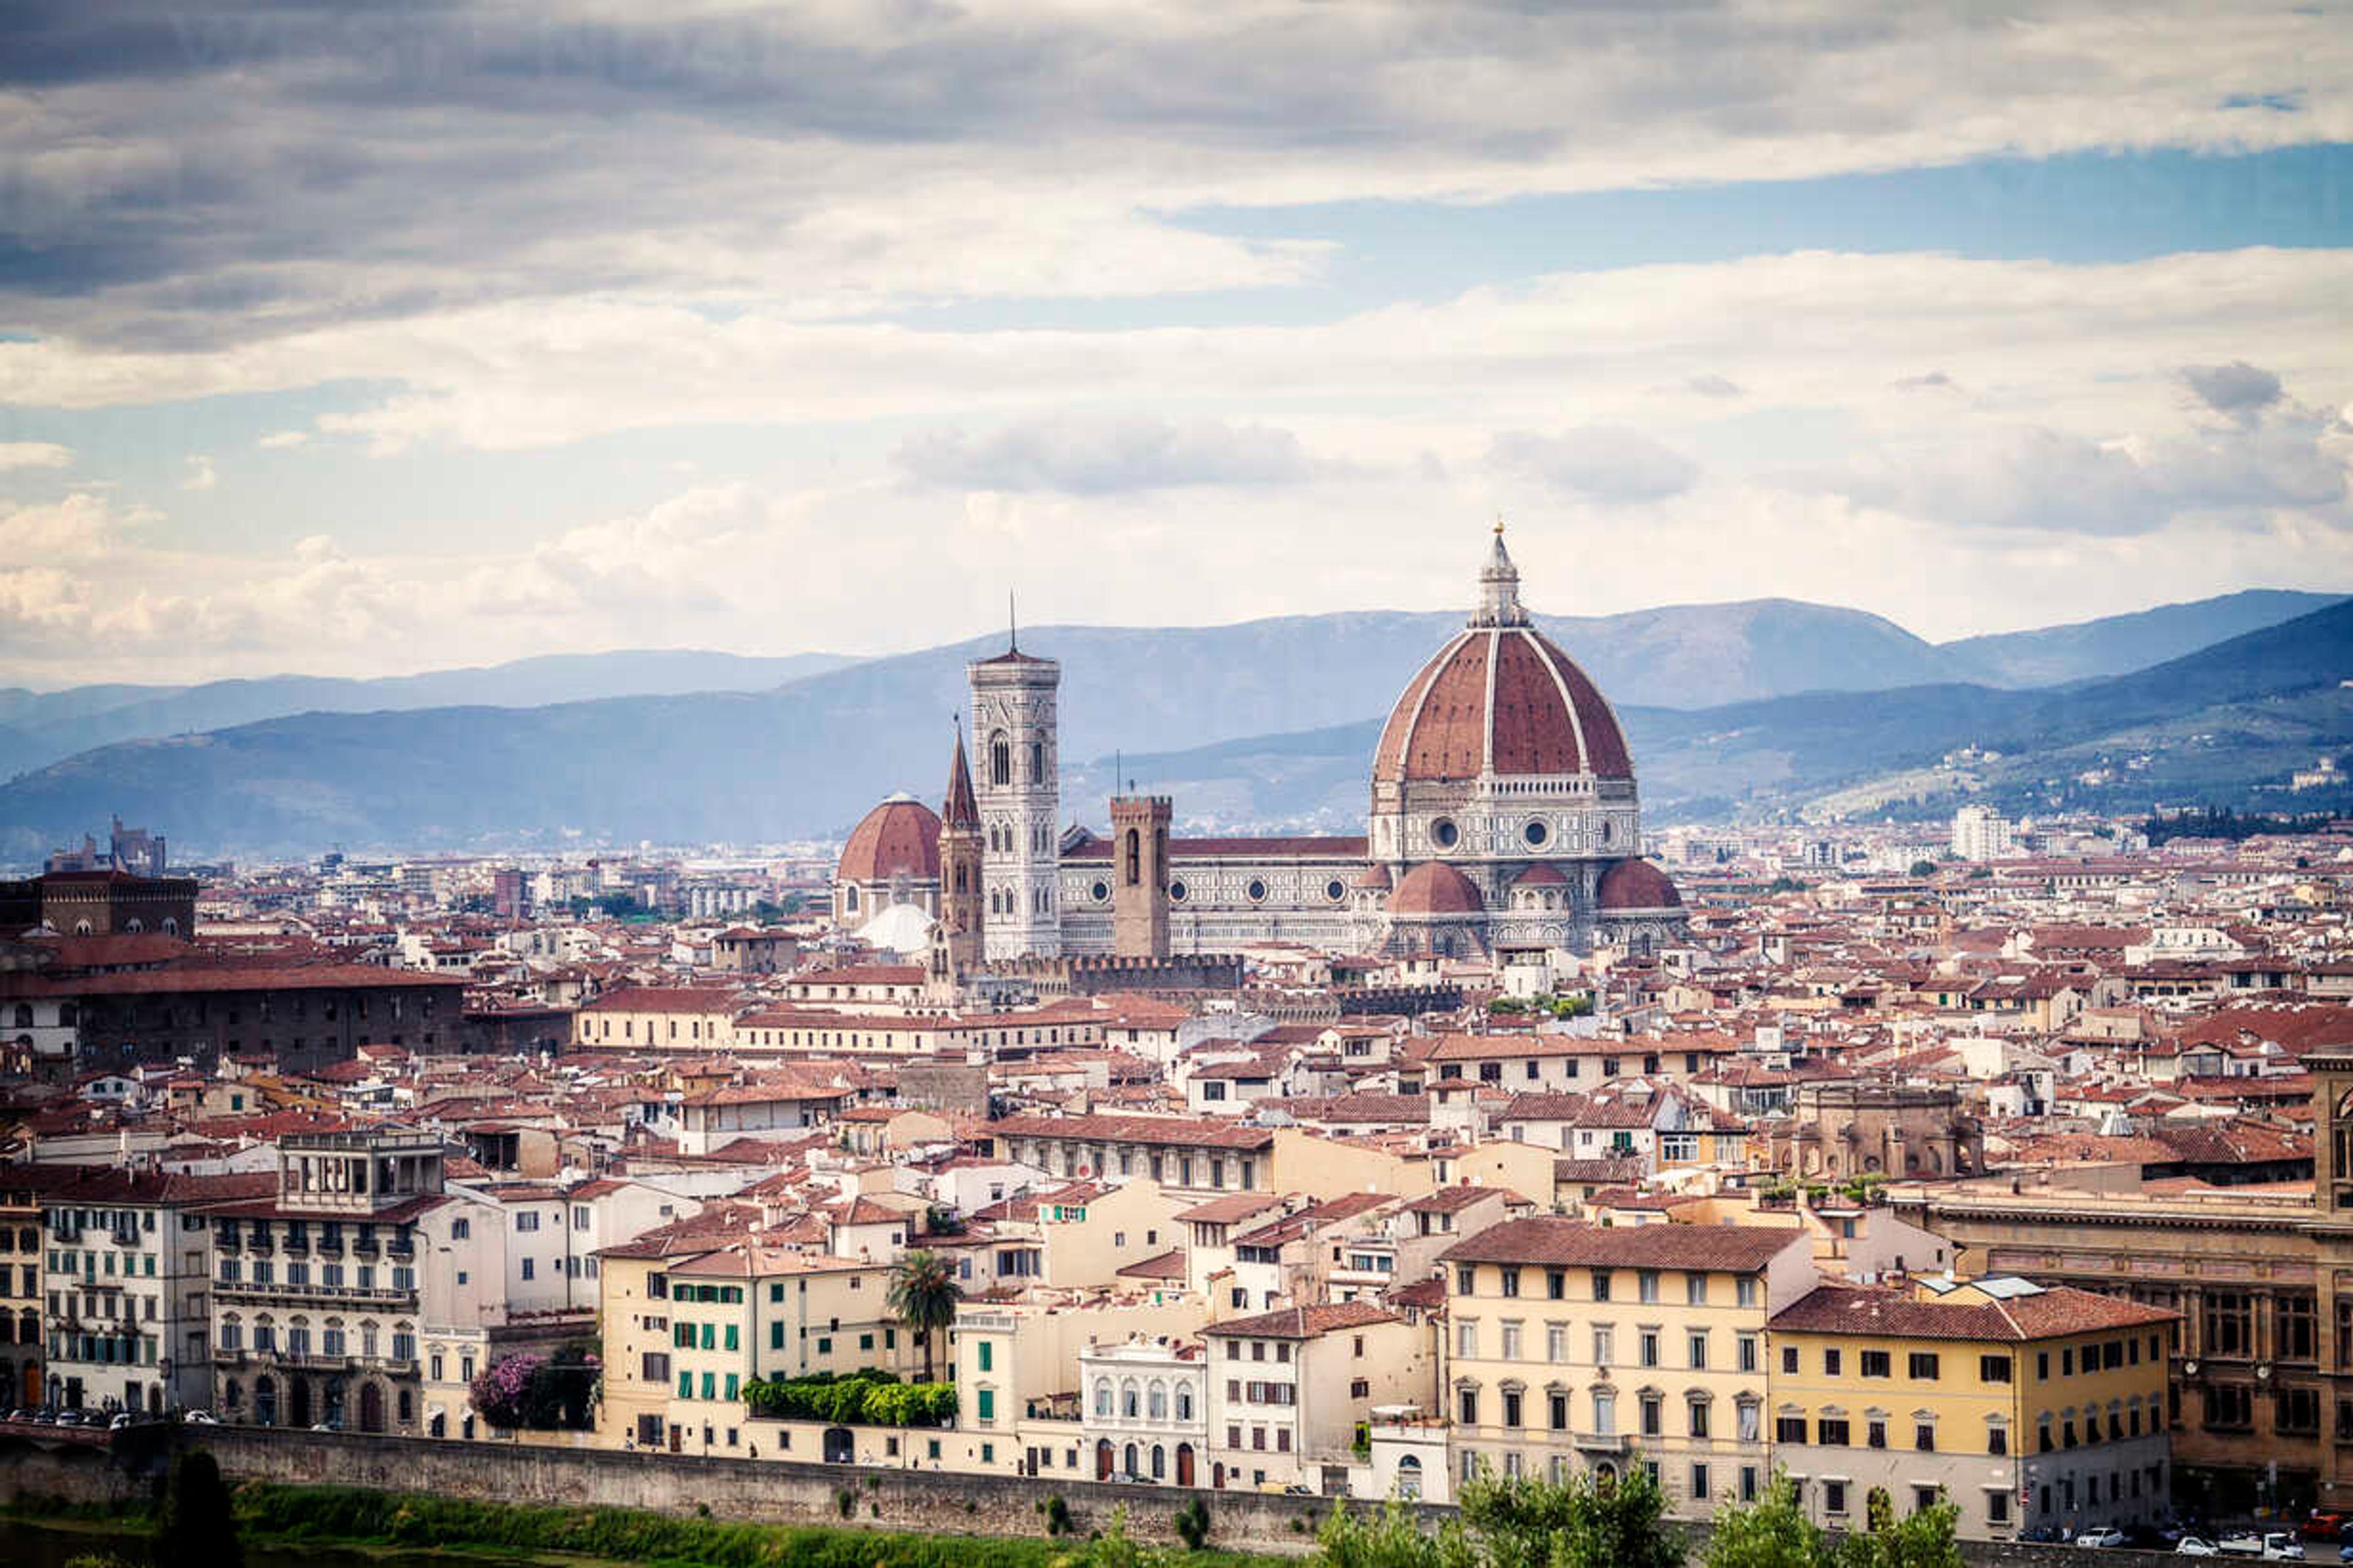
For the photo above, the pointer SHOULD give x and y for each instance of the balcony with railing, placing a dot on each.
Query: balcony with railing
(245, 1291)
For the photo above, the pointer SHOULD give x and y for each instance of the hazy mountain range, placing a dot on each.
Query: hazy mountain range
(1249, 724)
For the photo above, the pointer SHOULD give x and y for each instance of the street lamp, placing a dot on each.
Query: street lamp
(171, 1389)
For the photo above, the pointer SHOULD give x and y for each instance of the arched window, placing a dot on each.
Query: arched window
(1000, 759)
(849, 898)
(1183, 1402)
(171, 925)
(1156, 1401)
(24, 1015)
(1135, 858)
(1037, 762)
(1127, 1401)
(134, 925)
(1103, 1396)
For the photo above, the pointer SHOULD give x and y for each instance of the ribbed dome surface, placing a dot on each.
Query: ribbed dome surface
(900, 838)
(1503, 699)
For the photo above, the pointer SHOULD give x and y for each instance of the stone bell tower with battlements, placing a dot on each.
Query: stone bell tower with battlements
(1018, 793)
(1139, 856)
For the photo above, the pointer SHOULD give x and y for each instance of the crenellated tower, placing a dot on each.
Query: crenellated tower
(1139, 853)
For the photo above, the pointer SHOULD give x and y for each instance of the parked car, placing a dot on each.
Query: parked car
(2194, 1546)
(199, 1419)
(2324, 1524)
(2271, 1546)
(23, 1415)
(2101, 1535)
(122, 1418)
(73, 1418)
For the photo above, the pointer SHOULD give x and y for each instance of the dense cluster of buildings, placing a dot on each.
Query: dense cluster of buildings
(2016, 1168)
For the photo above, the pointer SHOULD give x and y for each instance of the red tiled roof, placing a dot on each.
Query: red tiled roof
(2052, 1312)
(1302, 1322)
(1550, 1240)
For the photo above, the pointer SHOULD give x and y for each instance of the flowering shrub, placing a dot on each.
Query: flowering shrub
(538, 1392)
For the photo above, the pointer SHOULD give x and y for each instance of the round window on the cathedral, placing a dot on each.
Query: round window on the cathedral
(1334, 890)
(1102, 891)
(1534, 833)
(1444, 834)
(1175, 892)
(1256, 890)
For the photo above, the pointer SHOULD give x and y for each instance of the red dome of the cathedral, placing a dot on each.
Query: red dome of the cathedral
(1434, 888)
(900, 838)
(1637, 885)
(1500, 698)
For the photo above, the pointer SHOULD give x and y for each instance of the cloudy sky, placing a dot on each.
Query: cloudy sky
(359, 340)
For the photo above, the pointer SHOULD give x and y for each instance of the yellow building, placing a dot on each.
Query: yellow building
(2025, 1405)
(690, 1324)
(1575, 1346)
(20, 1289)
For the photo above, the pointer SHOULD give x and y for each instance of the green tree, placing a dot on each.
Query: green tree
(1352, 1538)
(1771, 1532)
(199, 1529)
(1922, 1539)
(924, 1296)
(1924, 868)
(1583, 1521)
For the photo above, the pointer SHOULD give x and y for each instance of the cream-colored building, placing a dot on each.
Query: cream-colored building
(1289, 1389)
(2025, 1405)
(691, 1320)
(1573, 1346)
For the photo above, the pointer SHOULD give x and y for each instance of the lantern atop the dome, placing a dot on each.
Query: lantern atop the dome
(1499, 588)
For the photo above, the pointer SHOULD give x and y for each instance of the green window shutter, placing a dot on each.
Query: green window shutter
(731, 1336)
(776, 1336)
(710, 1386)
(686, 1386)
(710, 1338)
(987, 1405)
(987, 1358)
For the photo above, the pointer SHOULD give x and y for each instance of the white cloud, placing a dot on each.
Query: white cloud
(282, 440)
(1088, 456)
(200, 474)
(33, 455)
(1595, 461)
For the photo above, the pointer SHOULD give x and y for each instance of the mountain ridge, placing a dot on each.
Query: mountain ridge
(806, 758)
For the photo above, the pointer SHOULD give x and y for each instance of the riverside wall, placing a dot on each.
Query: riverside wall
(767, 1491)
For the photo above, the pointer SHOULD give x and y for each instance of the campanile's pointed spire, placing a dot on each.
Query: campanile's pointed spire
(960, 810)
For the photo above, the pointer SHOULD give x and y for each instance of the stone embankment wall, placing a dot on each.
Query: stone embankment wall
(763, 1490)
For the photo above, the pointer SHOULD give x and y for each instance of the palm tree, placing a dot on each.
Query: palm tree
(924, 1296)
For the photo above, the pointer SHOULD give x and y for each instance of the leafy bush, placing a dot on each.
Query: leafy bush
(860, 1399)
(1192, 1524)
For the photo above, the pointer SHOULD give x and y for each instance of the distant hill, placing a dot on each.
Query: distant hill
(2113, 644)
(39, 727)
(1241, 723)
